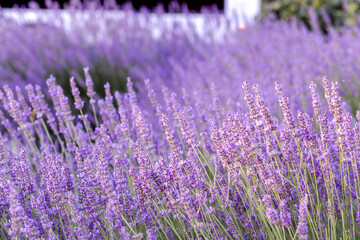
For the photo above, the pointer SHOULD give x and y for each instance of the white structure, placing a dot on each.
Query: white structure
(244, 10)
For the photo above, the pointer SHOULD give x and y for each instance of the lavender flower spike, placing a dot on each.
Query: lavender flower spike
(79, 104)
(285, 215)
(302, 228)
(89, 83)
(336, 103)
(271, 213)
(285, 106)
(315, 100)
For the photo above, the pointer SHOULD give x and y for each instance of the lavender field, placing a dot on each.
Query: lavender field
(110, 132)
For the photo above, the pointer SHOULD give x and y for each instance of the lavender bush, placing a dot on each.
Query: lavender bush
(211, 156)
(198, 171)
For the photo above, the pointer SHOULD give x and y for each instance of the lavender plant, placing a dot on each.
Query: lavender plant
(197, 161)
(181, 170)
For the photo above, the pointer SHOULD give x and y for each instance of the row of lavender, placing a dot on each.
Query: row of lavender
(198, 172)
(180, 57)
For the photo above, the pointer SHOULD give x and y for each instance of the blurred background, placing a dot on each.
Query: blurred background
(187, 45)
(193, 6)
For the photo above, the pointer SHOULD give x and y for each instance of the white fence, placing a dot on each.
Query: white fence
(243, 12)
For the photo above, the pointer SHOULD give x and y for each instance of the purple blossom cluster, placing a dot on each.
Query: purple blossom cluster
(183, 169)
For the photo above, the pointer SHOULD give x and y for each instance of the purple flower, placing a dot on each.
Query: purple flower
(302, 228)
(89, 83)
(271, 213)
(335, 107)
(285, 106)
(20, 222)
(315, 101)
(254, 111)
(285, 215)
(79, 104)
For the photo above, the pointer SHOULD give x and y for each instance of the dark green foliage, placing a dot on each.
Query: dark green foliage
(101, 71)
(334, 12)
